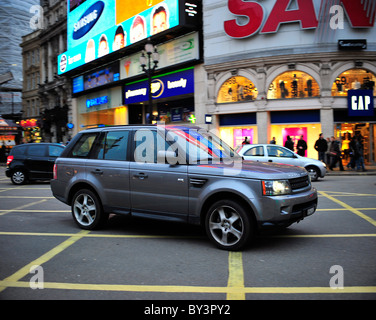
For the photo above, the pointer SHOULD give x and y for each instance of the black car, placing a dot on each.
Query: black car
(32, 161)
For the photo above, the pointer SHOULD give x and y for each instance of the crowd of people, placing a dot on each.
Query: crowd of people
(329, 151)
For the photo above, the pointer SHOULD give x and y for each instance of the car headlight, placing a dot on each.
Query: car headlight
(275, 187)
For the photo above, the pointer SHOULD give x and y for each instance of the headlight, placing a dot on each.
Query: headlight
(275, 187)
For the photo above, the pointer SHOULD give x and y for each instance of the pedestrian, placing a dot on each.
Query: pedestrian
(328, 158)
(359, 160)
(272, 141)
(353, 153)
(335, 154)
(321, 146)
(245, 141)
(289, 144)
(302, 146)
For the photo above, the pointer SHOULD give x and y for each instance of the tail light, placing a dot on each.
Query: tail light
(9, 160)
(55, 171)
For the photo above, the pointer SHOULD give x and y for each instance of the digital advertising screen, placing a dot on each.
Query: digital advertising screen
(96, 28)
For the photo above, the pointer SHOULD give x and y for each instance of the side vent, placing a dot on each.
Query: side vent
(197, 183)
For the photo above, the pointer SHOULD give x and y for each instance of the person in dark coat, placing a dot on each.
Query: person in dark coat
(302, 146)
(335, 153)
(321, 146)
(289, 144)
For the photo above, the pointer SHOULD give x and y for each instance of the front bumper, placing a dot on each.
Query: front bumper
(285, 210)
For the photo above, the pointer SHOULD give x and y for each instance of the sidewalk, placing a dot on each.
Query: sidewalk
(371, 171)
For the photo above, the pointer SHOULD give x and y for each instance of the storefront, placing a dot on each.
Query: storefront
(10, 134)
(289, 66)
(172, 95)
(101, 108)
(32, 130)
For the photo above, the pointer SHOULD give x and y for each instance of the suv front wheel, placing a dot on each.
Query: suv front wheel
(228, 225)
(87, 210)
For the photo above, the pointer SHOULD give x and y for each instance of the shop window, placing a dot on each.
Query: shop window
(237, 89)
(352, 80)
(293, 84)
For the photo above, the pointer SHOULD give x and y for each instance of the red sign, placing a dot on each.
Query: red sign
(357, 13)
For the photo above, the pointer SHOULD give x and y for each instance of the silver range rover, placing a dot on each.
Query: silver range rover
(177, 173)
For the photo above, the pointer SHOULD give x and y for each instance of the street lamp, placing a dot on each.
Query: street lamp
(146, 62)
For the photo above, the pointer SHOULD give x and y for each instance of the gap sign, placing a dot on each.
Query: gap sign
(360, 103)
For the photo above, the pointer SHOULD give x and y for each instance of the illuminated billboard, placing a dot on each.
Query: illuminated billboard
(96, 28)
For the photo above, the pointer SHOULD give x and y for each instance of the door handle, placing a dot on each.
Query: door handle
(97, 171)
(141, 176)
(270, 160)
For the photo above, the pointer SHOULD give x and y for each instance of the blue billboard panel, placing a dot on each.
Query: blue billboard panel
(92, 31)
(169, 85)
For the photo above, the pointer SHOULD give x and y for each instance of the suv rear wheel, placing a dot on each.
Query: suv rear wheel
(18, 177)
(87, 210)
(228, 225)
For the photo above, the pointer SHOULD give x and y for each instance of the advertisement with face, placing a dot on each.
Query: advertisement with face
(95, 28)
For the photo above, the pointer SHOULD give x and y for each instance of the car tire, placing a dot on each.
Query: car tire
(87, 210)
(228, 225)
(18, 177)
(314, 173)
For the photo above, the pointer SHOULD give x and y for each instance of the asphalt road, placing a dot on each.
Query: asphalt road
(330, 255)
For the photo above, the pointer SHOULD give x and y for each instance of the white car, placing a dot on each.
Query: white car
(279, 154)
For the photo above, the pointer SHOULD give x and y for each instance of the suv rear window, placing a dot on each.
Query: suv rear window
(114, 146)
(83, 146)
(19, 151)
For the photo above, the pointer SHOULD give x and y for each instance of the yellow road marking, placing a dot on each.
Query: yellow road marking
(235, 276)
(191, 289)
(22, 207)
(346, 206)
(42, 259)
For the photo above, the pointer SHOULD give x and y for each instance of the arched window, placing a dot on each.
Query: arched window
(353, 79)
(237, 89)
(293, 84)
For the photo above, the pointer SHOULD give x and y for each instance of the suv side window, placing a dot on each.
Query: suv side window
(113, 146)
(54, 151)
(36, 150)
(83, 146)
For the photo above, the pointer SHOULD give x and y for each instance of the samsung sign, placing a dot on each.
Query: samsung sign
(168, 85)
(360, 103)
(87, 20)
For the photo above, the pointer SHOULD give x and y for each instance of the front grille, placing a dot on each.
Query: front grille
(299, 183)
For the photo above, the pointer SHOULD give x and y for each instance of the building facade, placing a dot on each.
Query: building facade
(31, 106)
(278, 68)
(54, 92)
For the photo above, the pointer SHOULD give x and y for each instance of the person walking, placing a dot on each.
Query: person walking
(359, 160)
(289, 144)
(335, 153)
(273, 141)
(321, 146)
(353, 153)
(302, 146)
